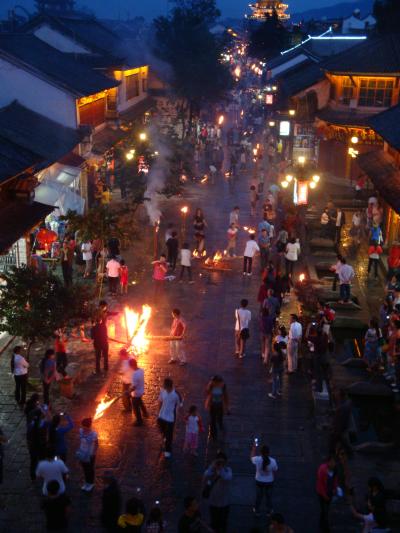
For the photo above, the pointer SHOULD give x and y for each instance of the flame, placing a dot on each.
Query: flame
(103, 406)
(249, 230)
(220, 119)
(197, 254)
(184, 209)
(136, 324)
(205, 178)
(302, 277)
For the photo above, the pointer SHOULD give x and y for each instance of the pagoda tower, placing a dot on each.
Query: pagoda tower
(265, 8)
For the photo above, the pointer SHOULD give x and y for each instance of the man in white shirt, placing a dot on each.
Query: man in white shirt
(234, 217)
(249, 252)
(242, 322)
(137, 392)
(295, 334)
(51, 469)
(345, 273)
(168, 402)
(112, 268)
(19, 369)
(339, 223)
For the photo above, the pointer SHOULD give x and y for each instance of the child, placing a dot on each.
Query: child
(193, 427)
(232, 234)
(253, 200)
(123, 277)
(60, 347)
(186, 262)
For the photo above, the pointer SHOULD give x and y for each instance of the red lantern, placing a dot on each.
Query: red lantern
(46, 237)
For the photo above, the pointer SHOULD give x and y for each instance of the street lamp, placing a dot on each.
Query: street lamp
(301, 159)
(271, 123)
(142, 136)
(292, 112)
(302, 181)
(129, 156)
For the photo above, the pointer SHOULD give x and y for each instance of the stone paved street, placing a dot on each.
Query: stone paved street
(134, 453)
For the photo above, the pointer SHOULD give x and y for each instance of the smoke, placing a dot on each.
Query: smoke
(157, 176)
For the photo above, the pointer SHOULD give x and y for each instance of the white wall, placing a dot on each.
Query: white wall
(322, 89)
(36, 94)
(59, 41)
(123, 104)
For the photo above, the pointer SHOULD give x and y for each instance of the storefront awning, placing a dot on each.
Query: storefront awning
(17, 219)
(59, 196)
(384, 174)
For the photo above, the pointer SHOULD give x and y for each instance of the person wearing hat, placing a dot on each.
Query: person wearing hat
(86, 454)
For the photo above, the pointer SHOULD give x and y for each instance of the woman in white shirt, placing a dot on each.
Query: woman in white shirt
(19, 369)
(186, 262)
(291, 255)
(266, 467)
(87, 256)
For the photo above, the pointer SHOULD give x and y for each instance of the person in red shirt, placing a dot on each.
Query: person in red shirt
(123, 277)
(374, 253)
(178, 330)
(393, 260)
(327, 485)
(160, 268)
(60, 347)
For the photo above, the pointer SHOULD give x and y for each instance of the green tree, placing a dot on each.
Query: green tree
(100, 222)
(387, 14)
(34, 304)
(184, 41)
(268, 39)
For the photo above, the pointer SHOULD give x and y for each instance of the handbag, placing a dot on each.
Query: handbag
(206, 493)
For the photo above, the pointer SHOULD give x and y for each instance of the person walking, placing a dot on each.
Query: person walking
(178, 330)
(264, 244)
(267, 325)
(87, 256)
(52, 468)
(19, 369)
(266, 467)
(112, 268)
(217, 487)
(340, 221)
(253, 200)
(232, 236)
(186, 262)
(56, 507)
(327, 484)
(168, 401)
(374, 252)
(277, 362)
(295, 335)
(292, 253)
(48, 369)
(234, 217)
(172, 245)
(86, 453)
(249, 252)
(194, 427)
(242, 332)
(100, 343)
(111, 502)
(345, 274)
(217, 404)
(372, 348)
(137, 392)
(60, 425)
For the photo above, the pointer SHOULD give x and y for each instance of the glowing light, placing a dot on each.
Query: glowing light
(312, 185)
(142, 136)
(316, 178)
(302, 277)
(301, 159)
(292, 112)
(204, 179)
(354, 140)
(271, 123)
(184, 210)
(237, 72)
(285, 184)
(274, 88)
(289, 178)
(129, 156)
(221, 119)
(183, 178)
(103, 406)
(136, 326)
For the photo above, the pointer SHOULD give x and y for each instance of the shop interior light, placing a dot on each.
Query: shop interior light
(142, 136)
(354, 140)
(289, 178)
(129, 156)
(316, 178)
(274, 88)
(271, 123)
(312, 185)
(285, 184)
(301, 159)
(292, 112)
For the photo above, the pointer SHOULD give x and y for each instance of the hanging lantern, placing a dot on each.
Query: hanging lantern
(45, 237)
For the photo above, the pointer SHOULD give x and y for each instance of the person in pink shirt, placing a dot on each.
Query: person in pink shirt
(160, 268)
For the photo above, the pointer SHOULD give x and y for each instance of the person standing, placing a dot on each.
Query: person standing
(186, 262)
(178, 330)
(87, 256)
(253, 200)
(56, 507)
(232, 235)
(339, 223)
(327, 484)
(249, 252)
(345, 274)
(126, 378)
(60, 347)
(292, 253)
(111, 502)
(160, 269)
(172, 245)
(217, 484)
(60, 425)
(295, 334)
(234, 217)
(168, 401)
(217, 404)
(264, 243)
(113, 267)
(242, 332)
(86, 454)
(267, 324)
(66, 259)
(266, 467)
(277, 361)
(190, 521)
(48, 373)
(374, 253)
(100, 343)
(123, 277)
(137, 392)
(19, 369)
(52, 468)
(194, 426)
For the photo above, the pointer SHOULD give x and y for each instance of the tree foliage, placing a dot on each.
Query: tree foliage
(268, 39)
(100, 222)
(34, 304)
(387, 14)
(184, 41)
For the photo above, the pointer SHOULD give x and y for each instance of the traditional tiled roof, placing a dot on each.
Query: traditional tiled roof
(375, 55)
(387, 124)
(31, 53)
(299, 78)
(346, 117)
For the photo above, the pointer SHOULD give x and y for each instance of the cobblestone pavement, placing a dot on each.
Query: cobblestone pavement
(134, 453)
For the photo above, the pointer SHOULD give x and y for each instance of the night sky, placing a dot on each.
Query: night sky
(151, 8)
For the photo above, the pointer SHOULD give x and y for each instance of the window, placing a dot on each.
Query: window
(375, 92)
(132, 86)
(347, 91)
(93, 113)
